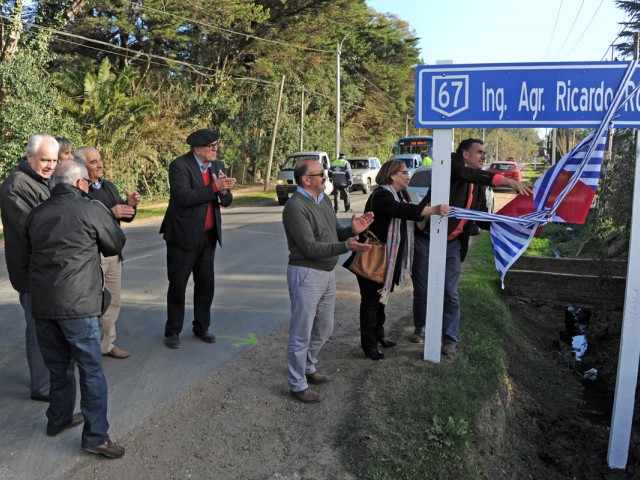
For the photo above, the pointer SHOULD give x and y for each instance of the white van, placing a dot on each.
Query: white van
(286, 184)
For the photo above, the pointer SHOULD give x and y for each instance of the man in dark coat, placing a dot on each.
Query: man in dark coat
(466, 191)
(191, 227)
(124, 210)
(66, 235)
(26, 187)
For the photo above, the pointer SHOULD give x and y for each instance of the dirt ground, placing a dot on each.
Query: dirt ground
(253, 428)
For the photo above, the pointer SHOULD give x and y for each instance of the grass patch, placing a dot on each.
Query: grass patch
(415, 419)
(158, 208)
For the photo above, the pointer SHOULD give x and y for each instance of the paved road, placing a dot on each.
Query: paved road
(251, 299)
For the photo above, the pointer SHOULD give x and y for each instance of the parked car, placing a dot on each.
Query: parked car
(420, 183)
(286, 184)
(364, 171)
(508, 169)
(413, 161)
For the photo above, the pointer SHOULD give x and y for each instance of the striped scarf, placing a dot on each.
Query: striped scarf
(393, 244)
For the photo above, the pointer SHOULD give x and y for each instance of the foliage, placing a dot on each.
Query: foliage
(29, 104)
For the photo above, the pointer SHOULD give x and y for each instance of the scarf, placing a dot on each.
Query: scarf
(393, 244)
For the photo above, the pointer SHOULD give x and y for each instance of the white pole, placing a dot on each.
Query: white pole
(627, 376)
(442, 146)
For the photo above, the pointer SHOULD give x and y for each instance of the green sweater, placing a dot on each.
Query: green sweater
(314, 235)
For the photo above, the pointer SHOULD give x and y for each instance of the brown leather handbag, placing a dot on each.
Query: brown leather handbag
(371, 265)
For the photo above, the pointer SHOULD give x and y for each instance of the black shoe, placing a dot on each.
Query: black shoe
(206, 336)
(76, 420)
(387, 342)
(374, 354)
(172, 341)
(40, 398)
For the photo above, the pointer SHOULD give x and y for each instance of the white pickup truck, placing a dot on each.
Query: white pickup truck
(286, 184)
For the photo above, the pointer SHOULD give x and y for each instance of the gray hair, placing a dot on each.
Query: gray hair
(80, 155)
(68, 172)
(33, 145)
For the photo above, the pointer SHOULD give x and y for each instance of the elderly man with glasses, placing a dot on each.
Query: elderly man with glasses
(191, 228)
(26, 187)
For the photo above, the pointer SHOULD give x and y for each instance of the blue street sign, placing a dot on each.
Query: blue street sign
(523, 95)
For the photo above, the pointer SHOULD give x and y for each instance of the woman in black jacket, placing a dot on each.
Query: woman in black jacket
(393, 224)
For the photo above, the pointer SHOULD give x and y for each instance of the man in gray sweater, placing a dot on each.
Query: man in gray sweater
(315, 239)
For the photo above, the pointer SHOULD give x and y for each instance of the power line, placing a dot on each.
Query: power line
(571, 29)
(586, 28)
(554, 28)
(246, 35)
(134, 55)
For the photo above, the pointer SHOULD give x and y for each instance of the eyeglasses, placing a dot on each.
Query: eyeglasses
(89, 181)
(213, 145)
(314, 175)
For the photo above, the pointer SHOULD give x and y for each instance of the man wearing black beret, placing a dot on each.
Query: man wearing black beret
(191, 227)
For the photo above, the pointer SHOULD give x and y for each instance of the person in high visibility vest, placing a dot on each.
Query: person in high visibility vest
(426, 159)
(342, 178)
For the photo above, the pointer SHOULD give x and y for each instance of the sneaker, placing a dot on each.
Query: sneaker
(108, 449)
(449, 348)
(417, 336)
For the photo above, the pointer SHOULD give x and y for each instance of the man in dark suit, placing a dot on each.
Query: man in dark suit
(191, 228)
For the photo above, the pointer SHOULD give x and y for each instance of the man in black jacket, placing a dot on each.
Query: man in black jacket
(26, 187)
(466, 191)
(66, 234)
(191, 227)
(124, 210)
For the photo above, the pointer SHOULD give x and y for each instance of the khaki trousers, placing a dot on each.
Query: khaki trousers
(112, 269)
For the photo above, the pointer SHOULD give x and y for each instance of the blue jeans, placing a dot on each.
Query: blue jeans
(37, 368)
(420, 275)
(62, 342)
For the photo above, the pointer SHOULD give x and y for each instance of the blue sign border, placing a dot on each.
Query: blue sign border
(525, 95)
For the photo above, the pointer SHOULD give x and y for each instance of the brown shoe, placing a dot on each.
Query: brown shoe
(115, 352)
(307, 396)
(449, 349)
(76, 420)
(317, 378)
(108, 449)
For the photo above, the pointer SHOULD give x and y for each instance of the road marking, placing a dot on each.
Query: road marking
(247, 341)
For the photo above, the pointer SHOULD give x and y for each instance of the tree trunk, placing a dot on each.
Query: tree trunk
(10, 47)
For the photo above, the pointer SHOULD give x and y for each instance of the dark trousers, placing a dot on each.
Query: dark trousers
(181, 263)
(341, 193)
(372, 316)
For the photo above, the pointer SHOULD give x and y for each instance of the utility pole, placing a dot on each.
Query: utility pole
(273, 138)
(339, 46)
(302, 120)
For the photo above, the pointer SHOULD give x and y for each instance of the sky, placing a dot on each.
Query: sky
(510, 31)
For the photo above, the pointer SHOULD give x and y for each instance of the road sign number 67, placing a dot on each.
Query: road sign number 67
(450, 94)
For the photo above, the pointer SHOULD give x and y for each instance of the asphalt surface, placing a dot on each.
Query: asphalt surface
(251, 300)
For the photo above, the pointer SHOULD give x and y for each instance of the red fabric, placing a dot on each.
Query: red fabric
(458, 230)
(573, 209)
(210, 221)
